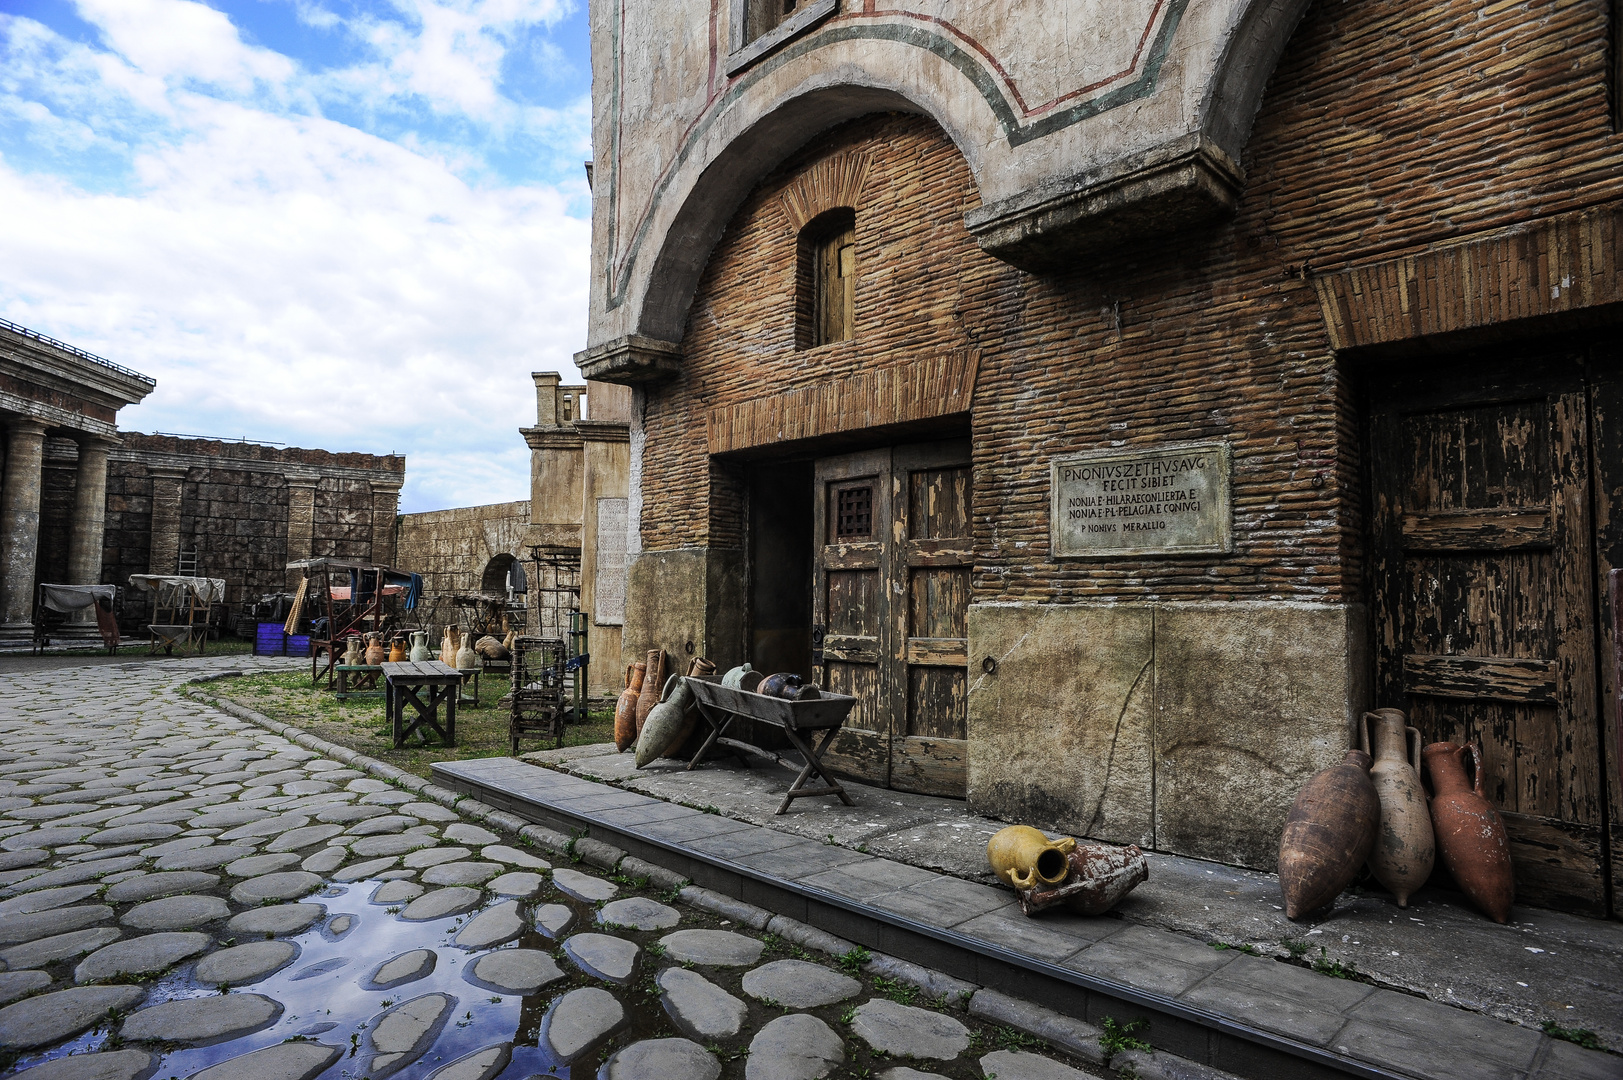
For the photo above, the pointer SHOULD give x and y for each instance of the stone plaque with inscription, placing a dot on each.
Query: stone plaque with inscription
(1167, 500)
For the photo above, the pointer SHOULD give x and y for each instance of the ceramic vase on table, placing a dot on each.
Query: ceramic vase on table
(1026, 859)
(625, 710)
(652, 682)
(1404, 851)
(419, 646)
(1328, 834)
(375, 652)
(354, 652)
(1471, 836)
(397, 651)
(448, 647)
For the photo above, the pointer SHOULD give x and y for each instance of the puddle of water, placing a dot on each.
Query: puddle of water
(324, 1000)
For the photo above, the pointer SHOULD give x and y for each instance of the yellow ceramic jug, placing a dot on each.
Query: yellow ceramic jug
(1025, 858)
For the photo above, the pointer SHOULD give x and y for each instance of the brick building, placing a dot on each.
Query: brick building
(1121, 405)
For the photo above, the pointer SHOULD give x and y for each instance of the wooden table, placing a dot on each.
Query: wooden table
(470, 675)
(404, 681)
(364, 678)
(820, 718)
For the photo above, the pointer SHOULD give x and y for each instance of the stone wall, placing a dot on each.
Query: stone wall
(234, 510)
(453, 548)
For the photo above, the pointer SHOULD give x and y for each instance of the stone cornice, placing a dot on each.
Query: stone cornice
(156, 460)
(67, 372)
(607, 431)
(552, 438)
(51, 416)
(630, 360)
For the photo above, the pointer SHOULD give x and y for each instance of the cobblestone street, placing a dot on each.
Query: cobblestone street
(184, 893)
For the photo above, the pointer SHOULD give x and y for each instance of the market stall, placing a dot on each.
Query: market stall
(181, 609)
(55, 603)
(344, 598)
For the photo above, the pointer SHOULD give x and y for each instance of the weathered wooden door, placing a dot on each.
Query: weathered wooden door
(1484, 605)
(891, 599)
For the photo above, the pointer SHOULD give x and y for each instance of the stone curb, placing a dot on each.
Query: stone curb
(1066, 1033)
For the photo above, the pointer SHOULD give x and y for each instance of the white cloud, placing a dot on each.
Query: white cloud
(284, 276)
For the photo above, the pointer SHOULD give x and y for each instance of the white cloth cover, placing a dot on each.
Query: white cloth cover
(207, 589)
(76, 597)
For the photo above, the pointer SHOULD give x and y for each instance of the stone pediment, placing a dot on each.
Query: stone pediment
(1084, 124)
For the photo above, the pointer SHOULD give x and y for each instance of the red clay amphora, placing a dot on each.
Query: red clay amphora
(1470, 834)
(1328, 835)
(625, 712)
(1404, 852)
(652, 683)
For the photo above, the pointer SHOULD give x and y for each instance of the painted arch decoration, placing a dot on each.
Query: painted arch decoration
(1084, 122)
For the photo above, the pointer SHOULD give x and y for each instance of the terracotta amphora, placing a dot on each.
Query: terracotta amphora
(652, 682)
(1470, 834)
(1328, 835)
(625, 711)
(466, 658)
(1024, 858)
(419, 646)
(1100, 876)
(375, 652)
(1404, 851)
(354, 652)
(397, 651)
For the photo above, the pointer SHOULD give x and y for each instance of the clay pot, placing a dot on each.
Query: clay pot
(354, 652)
(397, 651)
(625, 711)
(1328, 835)
(1404, 852)
(652, 681)
(375, 652)
(466, 658)
(1099, 876)
(782, 685)
(1470, 834)
(1024, 858)
(419, 646)
(448, 646)
(734, 679)
(668, 724)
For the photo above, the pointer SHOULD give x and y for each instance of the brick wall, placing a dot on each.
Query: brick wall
(1386, 127)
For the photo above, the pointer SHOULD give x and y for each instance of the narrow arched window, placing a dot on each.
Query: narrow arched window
(826, 279)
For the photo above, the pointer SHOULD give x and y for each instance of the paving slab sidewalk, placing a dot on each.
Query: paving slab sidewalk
(1394, 1031)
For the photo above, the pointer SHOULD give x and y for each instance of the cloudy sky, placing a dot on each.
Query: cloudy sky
(351, 224)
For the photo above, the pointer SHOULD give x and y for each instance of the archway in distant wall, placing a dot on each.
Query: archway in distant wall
(494, 579)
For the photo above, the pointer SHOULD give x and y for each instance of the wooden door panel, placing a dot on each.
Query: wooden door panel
(1480, 528)
(850, 604)
(930, 766)
(938, 602)
(937, 701)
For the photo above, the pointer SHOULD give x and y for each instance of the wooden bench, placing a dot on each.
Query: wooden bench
(404, 681)
(810, 725)
(359, 680)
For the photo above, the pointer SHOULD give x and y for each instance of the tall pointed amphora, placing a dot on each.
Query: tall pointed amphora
(1404, 850)
(1470, 834)
(625, 711)
(653, 682)
(1328, 834)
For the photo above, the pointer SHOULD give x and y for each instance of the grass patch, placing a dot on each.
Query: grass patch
(1582, 1036)
(358, 723)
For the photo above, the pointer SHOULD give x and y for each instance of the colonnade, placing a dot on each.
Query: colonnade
(21, 485)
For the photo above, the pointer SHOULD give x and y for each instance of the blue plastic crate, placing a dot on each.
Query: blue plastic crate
(270, 641)
(298, 645)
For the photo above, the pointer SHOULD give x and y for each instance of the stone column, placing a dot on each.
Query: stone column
(385, 507)
(168, 484)
(19, 525)
(89, 517)
(301, 519)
